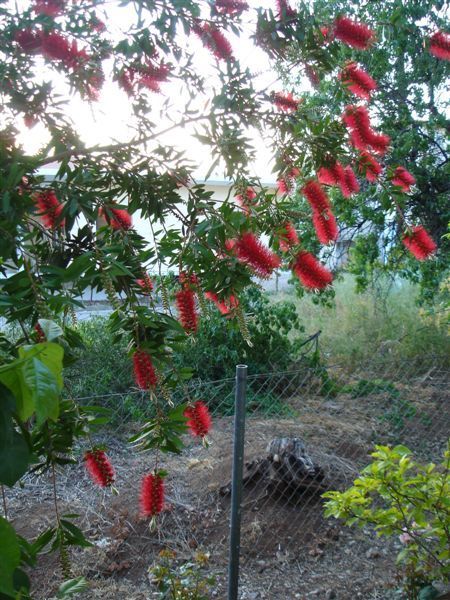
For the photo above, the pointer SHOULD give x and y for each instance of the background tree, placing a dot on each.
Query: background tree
(410, 104)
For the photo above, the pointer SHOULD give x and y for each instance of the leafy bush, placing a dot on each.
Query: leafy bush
(185, 581)
(103, 367)
(217, 348)
(400, 497)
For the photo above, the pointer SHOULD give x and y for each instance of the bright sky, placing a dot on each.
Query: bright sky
(110, 117)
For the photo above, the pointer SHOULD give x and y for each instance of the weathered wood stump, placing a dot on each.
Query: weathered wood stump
(287, 469)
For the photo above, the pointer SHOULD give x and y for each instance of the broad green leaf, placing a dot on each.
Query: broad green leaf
(51, 329)
(14, 458)
(9, 556)
(50, 354)
(42, 389)
(72, 586)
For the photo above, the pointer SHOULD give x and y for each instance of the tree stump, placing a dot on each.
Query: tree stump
(287, 469)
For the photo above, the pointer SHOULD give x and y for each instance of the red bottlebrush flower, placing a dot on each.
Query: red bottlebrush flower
(199, 419)
(333, 174)
(253, 253)
(246, 199)
(403, 178)
(187, 281)
(229, 245)
(325, 226)
(99, 467)
(379, 142)
(30, 120)
(325, 31)
(356, 117)
(152, 495)
(51, 8)
(126, 80)
(49, 208)
(358, 81)
(285, 10)
(120, 218)
(143, 369)
(311, 273)
(185, 300)
(285, 102)
(316, 196)
(29, 41)
(440, 45)
(39, 334)
(213, 39)
(287, 237)
(153, 75)
(351, 183)
(283, 186)
(230, 7)
(56, 46)
(419, 243)
(224, 306)
(146, 284)
(369, 167)
(312, 75)
(352, 33)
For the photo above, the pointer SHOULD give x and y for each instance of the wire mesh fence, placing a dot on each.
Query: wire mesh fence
(308, 430)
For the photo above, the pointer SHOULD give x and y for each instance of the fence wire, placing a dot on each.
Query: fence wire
(331, 419)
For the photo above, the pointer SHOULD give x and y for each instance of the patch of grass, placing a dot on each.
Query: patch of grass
(382, 327)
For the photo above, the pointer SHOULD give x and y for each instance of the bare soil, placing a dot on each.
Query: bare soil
(289, 550)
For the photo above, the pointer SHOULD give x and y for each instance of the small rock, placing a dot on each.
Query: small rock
(253, 596)
(372, 553)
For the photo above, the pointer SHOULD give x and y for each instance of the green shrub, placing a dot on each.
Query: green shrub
(400, 497)
(275, 331)
(103, 367)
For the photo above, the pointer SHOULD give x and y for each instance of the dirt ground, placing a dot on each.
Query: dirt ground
(289, 550)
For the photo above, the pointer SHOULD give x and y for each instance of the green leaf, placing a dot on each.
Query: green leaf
(9, 556)
(72, 586)
(14, 459)
(41, 390)
(51, 329)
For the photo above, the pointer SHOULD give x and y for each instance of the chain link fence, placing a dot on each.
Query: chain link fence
(308, 430)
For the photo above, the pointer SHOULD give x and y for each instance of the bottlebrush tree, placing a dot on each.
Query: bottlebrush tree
(76, 231)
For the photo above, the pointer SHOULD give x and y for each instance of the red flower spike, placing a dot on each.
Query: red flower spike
(358, 81)
(49, 209)
(144, 371)
(285, 10)
(246, 200)
(39, 334)
(99, 468)
(351, 183)
(224, 306)
(419, 243)
(316, 196)
(251, 251)
(379, 142)
(334, 174)
(230, 7)
(213, 39)
(199, 419)
(312, 75)
(285, 102)
(146, 284)
(283, 186)
(51, 8)
(325, 226)
(185, 301)
(311, 273)
(369, 167)
(126, 80)
(440, 45)
(56, 46)
(352, 33)
(287, 237)
(29, 41)
(152, 495)
(120, 219)
(403, 178)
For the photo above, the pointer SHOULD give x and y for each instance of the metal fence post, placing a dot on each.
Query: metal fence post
(236, 481)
